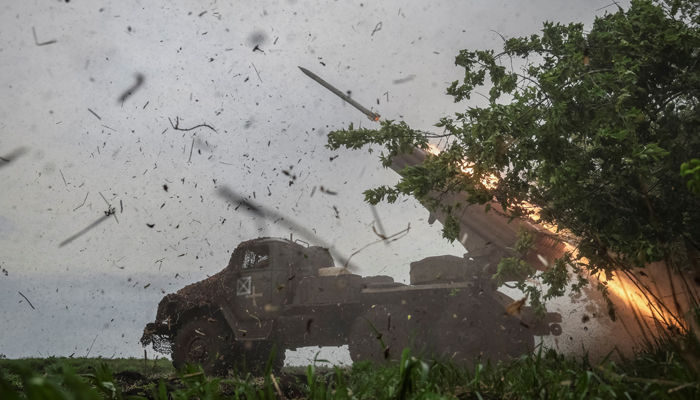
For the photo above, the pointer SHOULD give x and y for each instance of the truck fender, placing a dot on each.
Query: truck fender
(229, 317)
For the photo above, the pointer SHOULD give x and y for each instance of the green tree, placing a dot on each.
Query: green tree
(592, 130)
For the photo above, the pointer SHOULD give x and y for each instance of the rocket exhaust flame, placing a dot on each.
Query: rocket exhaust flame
(642, 301)
(372, 116)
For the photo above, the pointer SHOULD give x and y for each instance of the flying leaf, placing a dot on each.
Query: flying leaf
(516, 306)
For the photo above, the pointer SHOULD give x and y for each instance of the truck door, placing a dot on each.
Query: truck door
(251, 302)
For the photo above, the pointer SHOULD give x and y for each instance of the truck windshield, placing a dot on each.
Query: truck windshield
(256, 257)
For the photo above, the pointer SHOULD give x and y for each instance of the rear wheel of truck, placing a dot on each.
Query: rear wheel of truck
(382, 333)
(207, 342)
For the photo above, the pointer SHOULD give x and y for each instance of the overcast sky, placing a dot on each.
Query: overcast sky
(74, 135)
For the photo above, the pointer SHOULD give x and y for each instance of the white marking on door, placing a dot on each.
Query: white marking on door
(253, 296)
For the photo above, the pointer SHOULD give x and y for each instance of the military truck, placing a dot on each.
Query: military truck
(276, 292)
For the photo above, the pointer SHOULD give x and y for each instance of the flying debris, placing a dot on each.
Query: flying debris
(372, 116)
(516, 306)
(139, 81)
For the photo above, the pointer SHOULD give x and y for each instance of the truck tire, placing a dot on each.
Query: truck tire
(206, 342)
(394, 328)
(467, 331)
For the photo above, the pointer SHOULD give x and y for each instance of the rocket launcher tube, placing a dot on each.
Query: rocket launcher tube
(372, 116)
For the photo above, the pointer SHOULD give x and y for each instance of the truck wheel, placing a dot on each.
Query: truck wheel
(206, 343)
(393, 330)
(469, 330)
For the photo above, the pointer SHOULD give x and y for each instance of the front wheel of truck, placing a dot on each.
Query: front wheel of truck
(207, 342)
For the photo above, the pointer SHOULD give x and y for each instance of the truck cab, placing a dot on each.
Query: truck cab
(236, 310)
(268, 274)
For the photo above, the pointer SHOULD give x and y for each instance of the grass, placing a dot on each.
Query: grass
(50, 365)
(659, 372)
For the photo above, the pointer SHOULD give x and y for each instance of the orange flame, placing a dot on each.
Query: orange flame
(621, 286)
